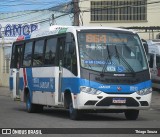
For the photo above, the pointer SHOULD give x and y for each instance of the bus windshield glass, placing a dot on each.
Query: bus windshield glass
(116, 52)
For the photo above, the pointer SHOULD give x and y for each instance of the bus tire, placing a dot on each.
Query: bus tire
(131, 114)
(73, 113)
(29, 106)
(39, 108)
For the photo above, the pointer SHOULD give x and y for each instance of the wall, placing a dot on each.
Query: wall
(153, 14)
(4, 64)
(1, 60)
(9, 32)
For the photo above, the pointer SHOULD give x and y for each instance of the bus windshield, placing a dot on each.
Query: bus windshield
(111, 52)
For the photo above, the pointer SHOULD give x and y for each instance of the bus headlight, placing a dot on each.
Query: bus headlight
(89, 90)
(144, 91)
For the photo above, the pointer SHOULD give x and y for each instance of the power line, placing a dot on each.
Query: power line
(48, 19)
(18, 15)
(55, 8)
(17, 3)
(33, 3)
(87, 9)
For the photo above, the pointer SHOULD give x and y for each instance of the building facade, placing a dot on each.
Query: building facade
(9, 32)
(13, 25)
(141, 15)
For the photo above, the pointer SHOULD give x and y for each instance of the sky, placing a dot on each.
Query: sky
(22, 5)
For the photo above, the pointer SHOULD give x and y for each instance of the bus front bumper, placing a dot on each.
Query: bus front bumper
(103, 101)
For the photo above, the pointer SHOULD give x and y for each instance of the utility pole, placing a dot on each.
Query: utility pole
(76, 12)
(2, 58)
(52, 19)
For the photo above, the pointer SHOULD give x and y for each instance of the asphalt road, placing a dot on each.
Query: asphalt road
(14, 115)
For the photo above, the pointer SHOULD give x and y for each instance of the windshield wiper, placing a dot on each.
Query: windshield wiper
(106, 61)
(119, 56)
(89, 57)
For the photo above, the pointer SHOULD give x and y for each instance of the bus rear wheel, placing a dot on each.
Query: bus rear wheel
(29, 106)
(32, 108)
(131, 114)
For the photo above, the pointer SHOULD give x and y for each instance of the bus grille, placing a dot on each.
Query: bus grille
(90, 102)
(130, 102)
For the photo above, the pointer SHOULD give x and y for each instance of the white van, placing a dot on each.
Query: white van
(154, 61)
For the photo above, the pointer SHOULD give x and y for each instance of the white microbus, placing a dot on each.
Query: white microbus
(82, 69)
(154, 62)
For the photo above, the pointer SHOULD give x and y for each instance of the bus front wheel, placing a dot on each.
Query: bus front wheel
(131, 114)
(73, 113)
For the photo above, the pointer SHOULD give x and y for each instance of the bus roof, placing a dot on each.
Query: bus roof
(56, 29)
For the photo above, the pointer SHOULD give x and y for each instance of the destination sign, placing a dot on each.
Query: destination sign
(104, 38)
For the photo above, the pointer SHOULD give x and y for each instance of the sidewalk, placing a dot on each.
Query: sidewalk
(4, 91)
(155, 104)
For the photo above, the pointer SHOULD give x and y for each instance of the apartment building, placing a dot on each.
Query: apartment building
(141, 15)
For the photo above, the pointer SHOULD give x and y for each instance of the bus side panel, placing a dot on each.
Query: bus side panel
(14, 83)
(21, 84)
(70, 82)
(11, 80)
(42, 85)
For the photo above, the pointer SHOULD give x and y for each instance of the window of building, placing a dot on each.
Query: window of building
(119, 10)
(38, 53)
(50, 51)
(27, 54)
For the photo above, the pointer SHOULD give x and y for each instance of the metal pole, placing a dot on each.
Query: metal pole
(149, 34)
(52, 19)
(3, 57)
(152, 34)
(76, 12)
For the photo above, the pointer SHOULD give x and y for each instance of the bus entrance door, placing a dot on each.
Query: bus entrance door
(59, 73)
(14, 73)
(15, 83)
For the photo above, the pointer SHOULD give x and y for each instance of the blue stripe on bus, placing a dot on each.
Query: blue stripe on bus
(39, 84)
(29, 76)
(21, 83)
(73, 84)
(43, 84)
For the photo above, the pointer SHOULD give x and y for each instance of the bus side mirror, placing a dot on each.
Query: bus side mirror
(145, 45)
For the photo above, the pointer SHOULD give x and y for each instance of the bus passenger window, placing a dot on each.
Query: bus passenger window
(16, 56)
(70, 57)
(50, 51)
(38, 53)
(27, 54)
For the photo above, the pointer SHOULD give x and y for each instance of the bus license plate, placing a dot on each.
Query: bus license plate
(119, 100)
